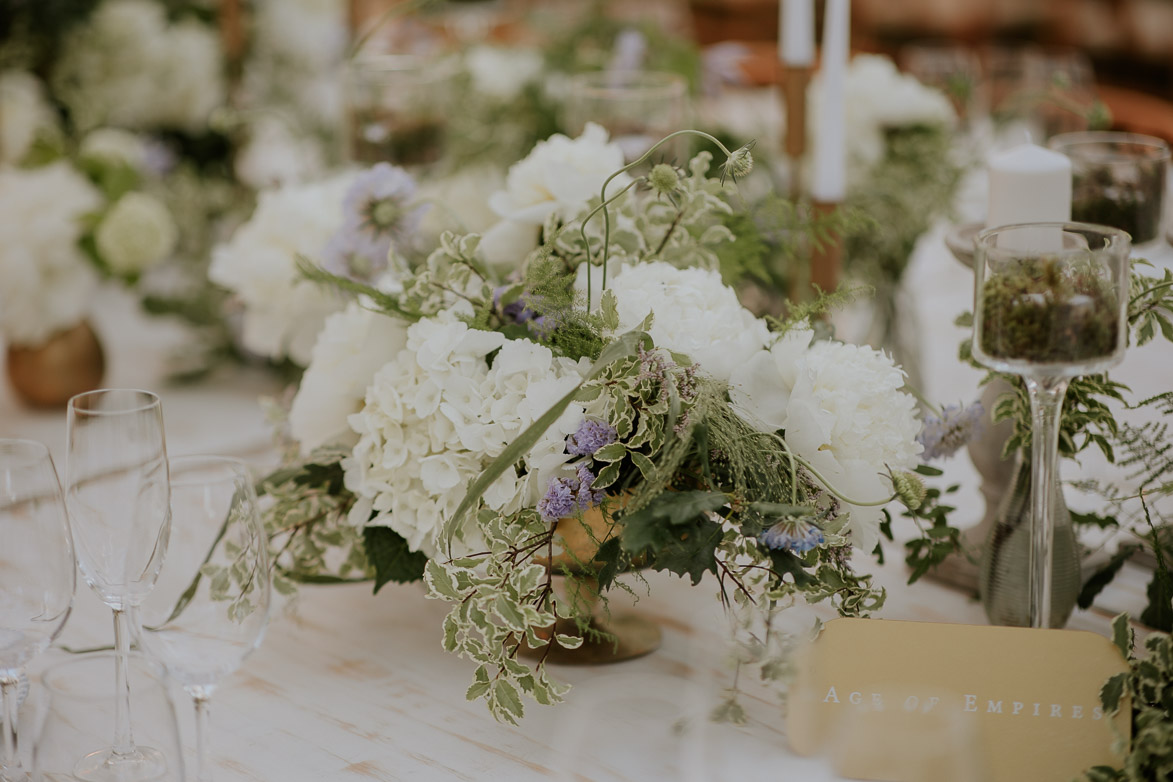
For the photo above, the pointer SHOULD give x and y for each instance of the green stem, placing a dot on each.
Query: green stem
(836, 493)
(1148, 291)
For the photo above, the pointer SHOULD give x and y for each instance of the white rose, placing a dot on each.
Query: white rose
(136, 233)
(695, 313)
(283, 312)
(352, 346)
(45, 281)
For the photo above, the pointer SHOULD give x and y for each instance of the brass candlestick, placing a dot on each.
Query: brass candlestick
(827, 257)
(795, 80)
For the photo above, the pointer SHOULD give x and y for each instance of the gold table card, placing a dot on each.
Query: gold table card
(919, 701)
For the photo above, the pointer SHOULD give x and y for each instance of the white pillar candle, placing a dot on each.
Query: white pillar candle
(829, 181)
(796, 32)
(1028, 184)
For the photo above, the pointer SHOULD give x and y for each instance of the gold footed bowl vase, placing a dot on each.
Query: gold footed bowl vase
(613, 636)
(68, 363)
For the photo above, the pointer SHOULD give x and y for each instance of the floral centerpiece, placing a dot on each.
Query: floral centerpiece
(458, 422)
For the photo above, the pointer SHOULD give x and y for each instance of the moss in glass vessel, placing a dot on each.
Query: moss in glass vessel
(1047, 312)
(1100, 196)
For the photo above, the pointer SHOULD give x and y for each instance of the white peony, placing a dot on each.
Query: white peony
(461, 200)
(559, 176)
(135, 234)
(437, 414)
(502, 73)
(848, 418)
(760, 387)
(283, 312)
(129, 67)
(45, 281)
(695, 313)
(23, 112)
(352, 346)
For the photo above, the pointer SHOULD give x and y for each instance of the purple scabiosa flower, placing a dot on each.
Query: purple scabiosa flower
(376, 215)
(590, 437)
(943, 436)
(798, 535)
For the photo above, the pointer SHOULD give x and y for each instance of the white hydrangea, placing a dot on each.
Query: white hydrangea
(23, 112)
(695, 313)
(283, 312)
(135, 234)
(128, 66)
(878, 97)
(45, 281)
(559, 176)
(352, 346)
(502, 73)
(843, 411)
(275, 155)
(438, 414)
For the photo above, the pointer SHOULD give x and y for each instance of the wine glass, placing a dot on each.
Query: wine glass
(74, 712)
(118, 499)
(211, 605)
(1050, 303)
(37, 575)
(637, 108)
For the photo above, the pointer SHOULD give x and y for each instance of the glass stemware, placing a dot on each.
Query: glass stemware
(210, 607)
(37, 576)
(637, 108)
(1050, 303)
(118, 499)
(74, 713)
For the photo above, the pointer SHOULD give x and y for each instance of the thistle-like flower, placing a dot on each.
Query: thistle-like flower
(909, 488)
(739, 163)
(377, 215)
(664, 179)
(943, 435)
(797, 534)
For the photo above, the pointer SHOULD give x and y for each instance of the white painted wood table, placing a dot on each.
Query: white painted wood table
(352, 686)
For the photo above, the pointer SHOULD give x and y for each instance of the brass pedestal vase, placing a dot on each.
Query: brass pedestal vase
(68, 363)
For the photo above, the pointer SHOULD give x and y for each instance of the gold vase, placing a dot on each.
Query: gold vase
(68, 363)
(623, 635)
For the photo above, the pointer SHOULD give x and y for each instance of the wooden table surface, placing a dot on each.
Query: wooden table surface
(350, 686)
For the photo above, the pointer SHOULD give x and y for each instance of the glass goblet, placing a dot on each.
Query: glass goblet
(37, 576)
(74, 713)
(211, 604)
(118, 499)
(637, 108)
(1050, 303)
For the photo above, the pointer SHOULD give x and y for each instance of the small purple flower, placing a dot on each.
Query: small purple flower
(376, 215)
(955, 427)
(590, 437)
(566, 496)
(560, 499)
(795, 534)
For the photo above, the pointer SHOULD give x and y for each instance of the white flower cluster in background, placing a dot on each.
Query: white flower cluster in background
(502, 73)
(47, 281)
(438, 414)
(843, 411)
(24, 112)
(135, 234)
(559, 176)
(283, 312)
(879, 97)
(128, 66)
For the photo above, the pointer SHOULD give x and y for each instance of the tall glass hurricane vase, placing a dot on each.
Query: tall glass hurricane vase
(1051, 301)
(211, 605)
(118, 496)
(36, 576)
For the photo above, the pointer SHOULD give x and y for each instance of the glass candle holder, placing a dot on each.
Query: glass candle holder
(397, 107)
(1050, 303)
(1118, 179)
(638, 108)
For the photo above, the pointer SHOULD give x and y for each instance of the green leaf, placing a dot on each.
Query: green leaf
(509, 699)
(625, 345)
(1122, 635)
(646, 527)
(691, 552)
(389, 554)
(785, 562)
(1102, 577)
(438, 580)
(1159, 611)
(1112, 692)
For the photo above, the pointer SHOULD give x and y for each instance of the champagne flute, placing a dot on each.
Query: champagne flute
(210, 608)
(37, 575)
(119, 501)
(1050, 303)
